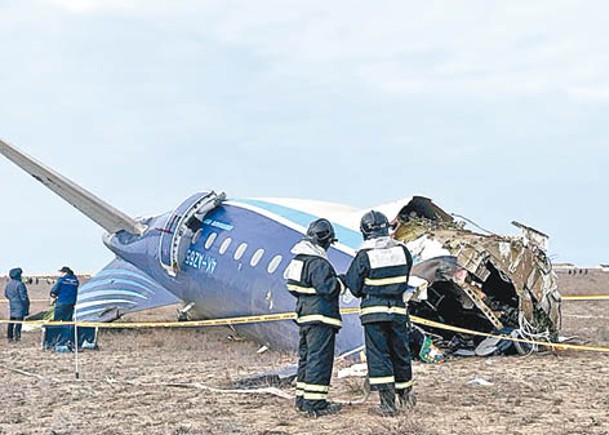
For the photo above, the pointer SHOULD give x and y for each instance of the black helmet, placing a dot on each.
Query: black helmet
(321, 232)
(374, 224)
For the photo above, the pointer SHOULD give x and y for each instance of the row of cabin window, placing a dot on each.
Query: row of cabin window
(273, 264)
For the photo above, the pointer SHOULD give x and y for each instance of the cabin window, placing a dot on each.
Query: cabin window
(240, 251)
(274, 264)
(256, 257)
(225, 244)
(196, 236)
(210, 240)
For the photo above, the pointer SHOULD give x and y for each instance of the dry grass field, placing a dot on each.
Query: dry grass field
(146, 382)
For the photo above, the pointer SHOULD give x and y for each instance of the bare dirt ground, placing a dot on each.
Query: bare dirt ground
(562, 393)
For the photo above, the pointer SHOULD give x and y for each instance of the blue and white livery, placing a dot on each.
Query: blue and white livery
(222, 257)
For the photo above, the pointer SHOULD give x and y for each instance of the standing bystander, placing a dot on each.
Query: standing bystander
(19, 303)
(65, 291)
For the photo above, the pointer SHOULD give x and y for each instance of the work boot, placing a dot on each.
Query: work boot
(329, 409)
(386, 406)
(299, 404)
(407, 398)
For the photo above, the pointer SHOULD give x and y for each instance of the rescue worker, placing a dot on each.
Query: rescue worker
(65, 291)
(313, 282)
(19, 303)
(379, 276)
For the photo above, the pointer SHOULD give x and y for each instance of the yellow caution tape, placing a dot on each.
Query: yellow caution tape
(585, 297)
(137, 325)
(556, 346)
(5, 301)
(291, 316)
(563, 297)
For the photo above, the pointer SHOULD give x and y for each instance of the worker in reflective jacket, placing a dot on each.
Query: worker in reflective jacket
(314, 283)
(379, 276)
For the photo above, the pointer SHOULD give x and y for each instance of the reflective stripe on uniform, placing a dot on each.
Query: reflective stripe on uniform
(315, 396)
(294, 271)
(386, 281)
(303, 290)
(403, 385)
(319, 318)
(381, 309)
(380, 258)
(300, 386)
(382, 380)
(316, 388)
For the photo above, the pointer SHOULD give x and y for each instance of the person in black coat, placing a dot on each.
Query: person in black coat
(379, 276)
(313, 282)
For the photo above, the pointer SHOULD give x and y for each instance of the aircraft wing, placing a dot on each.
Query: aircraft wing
(108, 217)
(118, 289)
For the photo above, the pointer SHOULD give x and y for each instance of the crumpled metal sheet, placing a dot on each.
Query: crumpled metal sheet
(519, 259)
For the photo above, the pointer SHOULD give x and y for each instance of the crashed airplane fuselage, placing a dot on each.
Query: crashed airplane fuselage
(226, 257)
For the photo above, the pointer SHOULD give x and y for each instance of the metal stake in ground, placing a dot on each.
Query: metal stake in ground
(76, 373)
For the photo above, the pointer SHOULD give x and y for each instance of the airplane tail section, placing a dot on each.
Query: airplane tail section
(102, 213)
(117, 289)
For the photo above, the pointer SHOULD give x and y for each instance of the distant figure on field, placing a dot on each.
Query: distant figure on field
(65, 291)
(19, 303)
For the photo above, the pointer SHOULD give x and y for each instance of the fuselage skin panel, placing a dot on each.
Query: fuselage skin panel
(235, 263)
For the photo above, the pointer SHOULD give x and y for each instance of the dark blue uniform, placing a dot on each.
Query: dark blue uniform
(379, 276)
(313, 281)
(66, 291)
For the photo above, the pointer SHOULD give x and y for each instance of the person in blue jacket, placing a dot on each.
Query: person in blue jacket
(65, 292)
(19, 303)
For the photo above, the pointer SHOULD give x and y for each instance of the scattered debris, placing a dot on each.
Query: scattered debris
(28, 374)
(480, 381)
(265, 390)
(281, 377)
(356, 370)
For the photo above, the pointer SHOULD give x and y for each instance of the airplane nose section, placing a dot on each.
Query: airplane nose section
(128, 246)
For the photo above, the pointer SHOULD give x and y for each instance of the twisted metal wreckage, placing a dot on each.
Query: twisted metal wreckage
(484, 282)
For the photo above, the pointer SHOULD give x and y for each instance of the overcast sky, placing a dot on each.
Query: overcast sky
(496, 110)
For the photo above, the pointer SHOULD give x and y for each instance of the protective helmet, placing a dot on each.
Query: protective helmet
(374, 224)
(321, 232)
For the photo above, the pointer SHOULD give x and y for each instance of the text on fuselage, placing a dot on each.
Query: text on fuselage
(201, 261)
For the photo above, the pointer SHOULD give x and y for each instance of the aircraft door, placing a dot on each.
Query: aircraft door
(180, 226)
